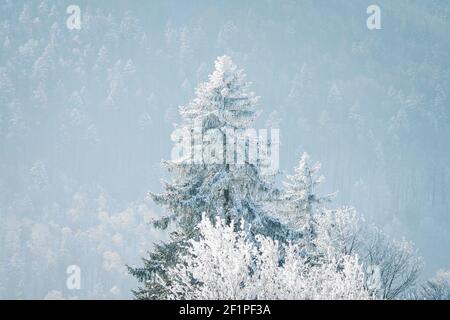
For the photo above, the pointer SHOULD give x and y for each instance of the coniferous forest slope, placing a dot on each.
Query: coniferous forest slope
(86, 116)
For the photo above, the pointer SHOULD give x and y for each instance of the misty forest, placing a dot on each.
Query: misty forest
(346, 198)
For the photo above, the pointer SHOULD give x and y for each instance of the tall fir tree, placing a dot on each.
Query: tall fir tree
(223, 108)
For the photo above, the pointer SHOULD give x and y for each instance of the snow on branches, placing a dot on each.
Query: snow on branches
(225, 264)
(236, 235)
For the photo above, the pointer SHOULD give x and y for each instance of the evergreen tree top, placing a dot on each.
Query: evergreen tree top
(224, 100)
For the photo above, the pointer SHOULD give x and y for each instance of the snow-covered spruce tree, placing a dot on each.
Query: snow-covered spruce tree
(299, 200)
(225, 264)
(223, 108)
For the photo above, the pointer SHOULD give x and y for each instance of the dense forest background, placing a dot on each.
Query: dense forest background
(86, 116)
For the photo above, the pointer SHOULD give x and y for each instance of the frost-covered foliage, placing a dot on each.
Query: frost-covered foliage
(232, 191)
(300, 192)
(225, 101)
(342, 228)
(226, 189)
(225, 264)
(437, 288)
(394, 265)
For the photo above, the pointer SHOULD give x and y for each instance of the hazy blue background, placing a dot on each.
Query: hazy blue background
(85, 118)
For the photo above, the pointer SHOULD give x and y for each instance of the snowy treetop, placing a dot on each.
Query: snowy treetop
(224, 101)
